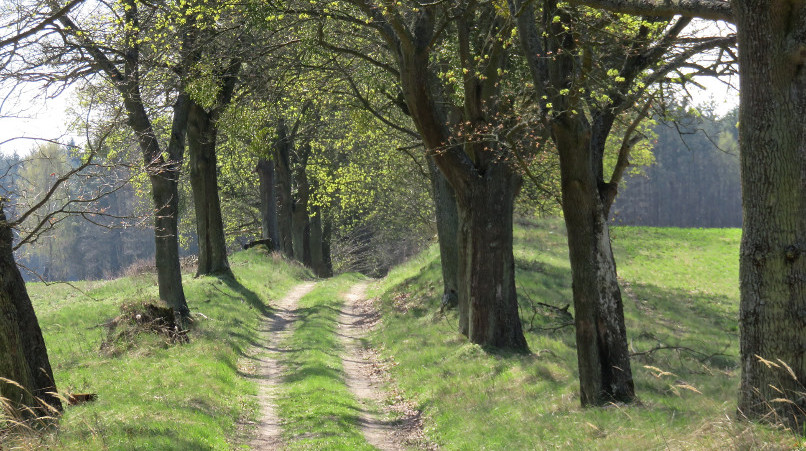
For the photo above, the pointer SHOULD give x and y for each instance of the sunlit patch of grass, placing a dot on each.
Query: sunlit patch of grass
(158, 395)
(680, 289)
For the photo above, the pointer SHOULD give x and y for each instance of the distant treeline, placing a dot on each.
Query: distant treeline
(694, 181)
(74, 246)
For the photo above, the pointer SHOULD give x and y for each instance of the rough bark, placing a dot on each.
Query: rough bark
(447, 220)
(604, 362)
(488, 301)
(301, 233)
(165, 195)
(163, 169)
(772, 139)
(202, 136)
(25, 356)
(282, 164)
(268, 203)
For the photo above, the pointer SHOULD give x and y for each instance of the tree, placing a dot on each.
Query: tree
(202, 140)
(455, 111)
(579, 105)
(163, 165)
(25, 360)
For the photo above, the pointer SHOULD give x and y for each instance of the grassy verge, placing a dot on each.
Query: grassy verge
(680, 294)
(317, 408)
(152, 395)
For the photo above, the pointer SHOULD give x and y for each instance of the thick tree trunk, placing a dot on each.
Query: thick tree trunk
(202, 136)
(488, 303)
(22, 347)
(164, 176)
(447, 234)
(165, 193)
(485, 191)
(605, 374)
(772, 139)
(268, 203)
(282, 164)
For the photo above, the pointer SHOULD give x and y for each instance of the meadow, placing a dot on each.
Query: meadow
(680, 290)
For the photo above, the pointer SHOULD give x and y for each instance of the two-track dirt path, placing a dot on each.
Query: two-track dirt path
(274, 333)
(364, 375)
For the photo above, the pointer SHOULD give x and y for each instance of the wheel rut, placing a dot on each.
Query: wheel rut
(274, 332)
(366, 378)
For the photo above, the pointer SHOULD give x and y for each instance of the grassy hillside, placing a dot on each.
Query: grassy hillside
(680, 290)
(152, 394)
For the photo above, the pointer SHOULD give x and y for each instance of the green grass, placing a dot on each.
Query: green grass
(317, 409)
(680, 289)
(155, 395)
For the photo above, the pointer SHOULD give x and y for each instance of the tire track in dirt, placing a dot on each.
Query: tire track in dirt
(277, 328)
(366, 377)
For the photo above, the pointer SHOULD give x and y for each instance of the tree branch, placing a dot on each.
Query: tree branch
(704, 9)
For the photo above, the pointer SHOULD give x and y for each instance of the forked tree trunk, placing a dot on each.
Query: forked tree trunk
(164, 177)
(268, 203)
(485, 191)
(282, 164)
(22, 347)
(447, 233)
(488, 303)
(202, 136)
(605, 374)
(772, 271)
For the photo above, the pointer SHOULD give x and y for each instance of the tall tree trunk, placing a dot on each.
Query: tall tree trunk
(488, 303)
(772, 271)
(202, 137)
(164, 177)
(300, 220)
(327, 234)
(165, 193)
(447, 234)
(301, 232)
(25, 357)
(268, 203)
(485, 190)
(605, 374)
(316, 244)
(282, 164)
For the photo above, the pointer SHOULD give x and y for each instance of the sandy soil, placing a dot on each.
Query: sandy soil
(269, 371)
(400, 425)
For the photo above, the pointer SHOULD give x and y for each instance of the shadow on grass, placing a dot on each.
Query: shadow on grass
(250, 296)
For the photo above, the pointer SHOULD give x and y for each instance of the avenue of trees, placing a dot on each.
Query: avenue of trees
(340, 128)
